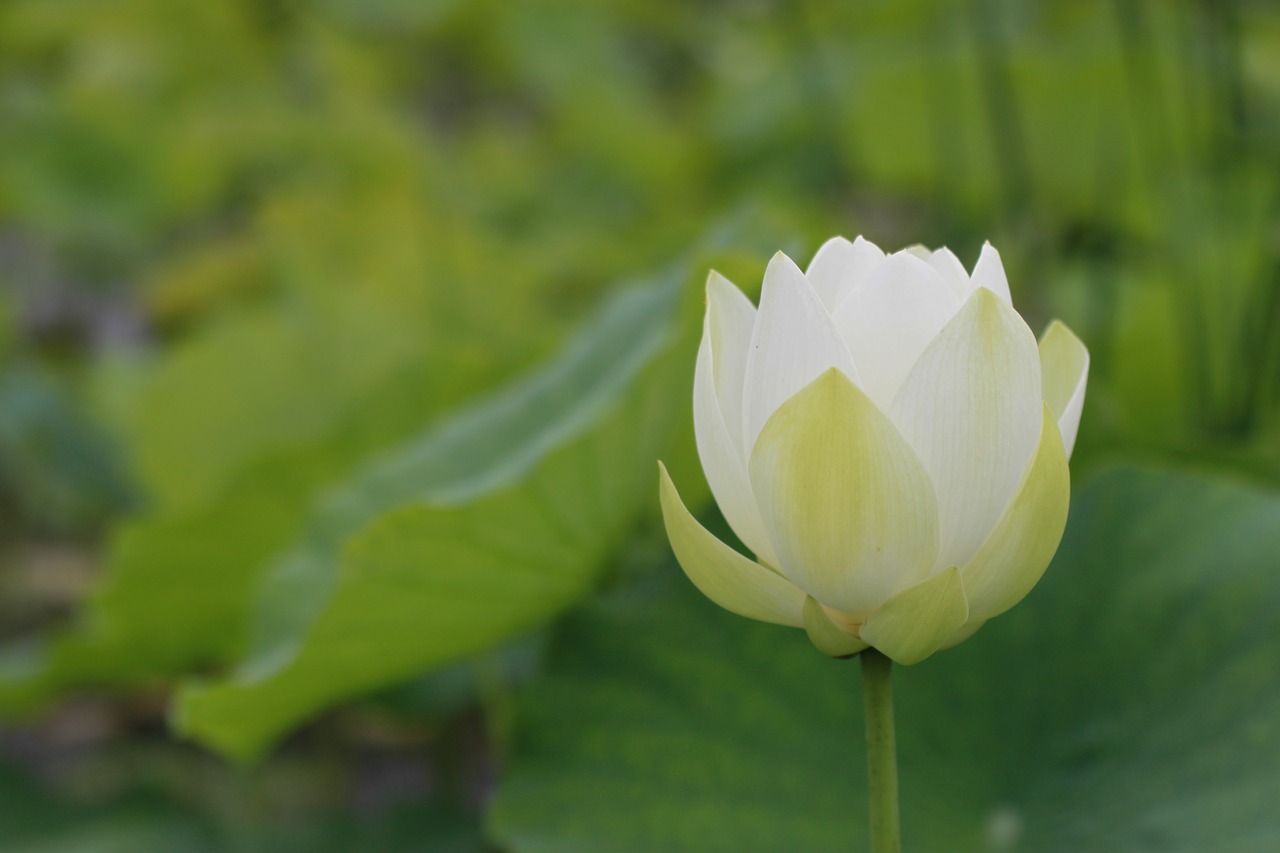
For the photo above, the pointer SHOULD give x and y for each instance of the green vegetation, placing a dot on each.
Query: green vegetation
(338, 341)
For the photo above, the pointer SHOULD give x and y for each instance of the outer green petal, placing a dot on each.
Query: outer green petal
(917, 621)
(1064, 372)
(847, 504)
(1018, 551)
(721, 573)
(825, 634)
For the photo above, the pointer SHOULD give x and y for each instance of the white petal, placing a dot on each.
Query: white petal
(723, 464)
(722, 574)
(988, 272)
(1018, 551)
(839, 266)
(1064, 371)
(847, 504)
(971, 409)
(731, 317)
(794, 341)
(952, 271)
(889, 321)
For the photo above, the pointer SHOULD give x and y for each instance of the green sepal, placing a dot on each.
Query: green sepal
(826, 635)
(917, 621)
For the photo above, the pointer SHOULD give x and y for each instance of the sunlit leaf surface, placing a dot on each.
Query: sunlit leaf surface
(490, 525)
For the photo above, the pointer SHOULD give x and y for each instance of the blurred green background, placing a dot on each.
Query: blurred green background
(338, 339)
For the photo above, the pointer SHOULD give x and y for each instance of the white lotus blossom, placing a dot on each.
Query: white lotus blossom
(887, 437)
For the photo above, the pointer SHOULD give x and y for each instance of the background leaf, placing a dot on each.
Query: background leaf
(1128, 704)
(456, 542)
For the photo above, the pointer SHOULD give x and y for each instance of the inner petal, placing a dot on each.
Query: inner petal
(890, 320)
(839, 266)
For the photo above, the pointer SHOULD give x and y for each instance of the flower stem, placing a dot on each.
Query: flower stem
(882, 754)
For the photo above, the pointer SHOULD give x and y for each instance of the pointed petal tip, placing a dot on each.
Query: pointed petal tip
(848, 505)
(1056, 328)
(987, 298)
(1064, 366)
(781, 265)
(989, 272)
(831, 382)
(718, 285)
(838, 240)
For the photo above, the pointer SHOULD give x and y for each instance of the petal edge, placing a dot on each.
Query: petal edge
(847, 504)
(1064, 374)
(917, 621)
(1020, 548)
(723, 575)
(825, 635)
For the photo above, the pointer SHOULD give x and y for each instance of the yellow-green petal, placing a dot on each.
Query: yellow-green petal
(848, 506)
(723, 575)
(825, 635)
(1064, 372)
(1024, 541)
(917, 621)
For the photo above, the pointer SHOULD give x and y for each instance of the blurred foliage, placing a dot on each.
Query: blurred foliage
(274, 275)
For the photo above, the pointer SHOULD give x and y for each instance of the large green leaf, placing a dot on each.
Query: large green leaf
(1129, 704)
(492, 524)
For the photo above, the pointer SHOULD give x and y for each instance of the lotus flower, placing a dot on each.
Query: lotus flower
(887, 437)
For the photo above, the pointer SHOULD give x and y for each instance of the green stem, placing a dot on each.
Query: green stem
(882, 754)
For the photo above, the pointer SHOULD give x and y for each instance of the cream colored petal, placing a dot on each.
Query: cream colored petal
(722, 461)
(989, 273)
(1064, 373)
(845, 501)
(1018, 551)
(887, 322)
(839, 266)
(731, 318)
(794, 341)
(917, 621)
(825, 635)
(971, 409)
(952, 271)
(722, 574)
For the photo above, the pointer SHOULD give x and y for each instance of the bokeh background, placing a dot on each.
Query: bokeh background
(338, 339)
